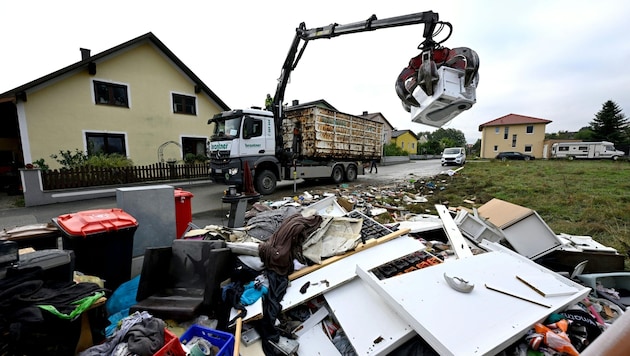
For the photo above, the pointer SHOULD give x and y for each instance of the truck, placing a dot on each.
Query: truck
(585, 150)
(279, 142)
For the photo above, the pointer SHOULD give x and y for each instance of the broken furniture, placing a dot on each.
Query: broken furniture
(612, 286)
(37, 236)
(182, 281)
(525, 231)
(579, 269)
(522, 227)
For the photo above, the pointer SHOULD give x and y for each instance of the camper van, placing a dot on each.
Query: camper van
(585, 150)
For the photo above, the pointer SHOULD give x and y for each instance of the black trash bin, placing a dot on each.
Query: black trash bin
(102, 241)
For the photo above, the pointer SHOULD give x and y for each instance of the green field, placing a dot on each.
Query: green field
(573, 197)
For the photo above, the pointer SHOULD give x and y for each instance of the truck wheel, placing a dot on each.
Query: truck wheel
(614, 158)
(337, 174)
(351, 173)
(266, 182)
(570, 158)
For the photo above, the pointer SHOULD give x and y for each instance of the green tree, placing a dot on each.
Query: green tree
(455, 137)
(567, 135)
(609, 123)
(391, 149)
(476, 148)
(584, 134)
(429, 148)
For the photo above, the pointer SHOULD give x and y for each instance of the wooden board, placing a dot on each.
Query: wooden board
(503, 214)
(455, 237)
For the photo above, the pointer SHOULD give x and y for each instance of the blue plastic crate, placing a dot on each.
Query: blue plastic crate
(224, 341)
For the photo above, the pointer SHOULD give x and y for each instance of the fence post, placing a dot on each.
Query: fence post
(172, 169)
(32, 187)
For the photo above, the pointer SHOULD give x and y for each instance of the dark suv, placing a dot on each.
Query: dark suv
(504, 156)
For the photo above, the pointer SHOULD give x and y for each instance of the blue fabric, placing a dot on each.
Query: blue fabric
(251, 294)
(123, 297)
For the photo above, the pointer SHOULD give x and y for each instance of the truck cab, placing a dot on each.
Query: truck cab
(240, 136)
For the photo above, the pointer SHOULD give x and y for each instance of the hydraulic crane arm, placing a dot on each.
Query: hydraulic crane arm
(303, 35)
(417, 83)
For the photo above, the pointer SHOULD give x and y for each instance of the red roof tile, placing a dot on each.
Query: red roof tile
(513, 119)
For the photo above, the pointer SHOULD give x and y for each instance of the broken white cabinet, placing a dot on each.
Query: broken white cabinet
(477, 323)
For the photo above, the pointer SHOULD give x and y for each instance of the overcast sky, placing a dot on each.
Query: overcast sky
(555, 60)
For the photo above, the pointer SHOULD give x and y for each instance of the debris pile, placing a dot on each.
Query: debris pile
(398, 264)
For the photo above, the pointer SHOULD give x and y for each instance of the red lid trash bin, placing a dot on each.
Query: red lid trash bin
(102, 241)
(183, 211)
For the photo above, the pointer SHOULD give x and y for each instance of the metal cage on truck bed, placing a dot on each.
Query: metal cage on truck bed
(316, 132)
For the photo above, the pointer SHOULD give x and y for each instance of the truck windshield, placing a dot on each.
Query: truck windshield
(226, 129)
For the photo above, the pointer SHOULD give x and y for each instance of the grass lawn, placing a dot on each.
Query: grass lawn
(573, 197)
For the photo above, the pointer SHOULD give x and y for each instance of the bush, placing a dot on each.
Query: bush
(191, 158)
(114, 160)
(391, 149)
(69, 159)
(41, 164)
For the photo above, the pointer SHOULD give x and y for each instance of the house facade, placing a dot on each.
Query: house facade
(406, 140)
(513, 132)
(137, 99)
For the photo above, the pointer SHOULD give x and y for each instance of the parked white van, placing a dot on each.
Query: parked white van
(454, 155)
(585, 150)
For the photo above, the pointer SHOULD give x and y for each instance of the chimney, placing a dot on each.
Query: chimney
(85, 53)
(295, 103)
(365, 113)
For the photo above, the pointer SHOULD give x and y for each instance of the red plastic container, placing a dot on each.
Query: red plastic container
(183, 210)
(172, 346)
(102, 241)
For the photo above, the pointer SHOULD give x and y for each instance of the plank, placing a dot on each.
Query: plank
(455, 237)
(371, 326)
(369, 243)
(315, 342)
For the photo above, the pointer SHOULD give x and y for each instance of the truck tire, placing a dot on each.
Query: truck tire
(337, 174)
(570, 158)
(266, 182)
(614, 158)
(351, 173)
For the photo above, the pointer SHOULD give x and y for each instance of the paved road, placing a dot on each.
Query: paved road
(207, 207)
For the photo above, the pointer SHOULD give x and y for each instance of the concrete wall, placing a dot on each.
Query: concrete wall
(34, 194)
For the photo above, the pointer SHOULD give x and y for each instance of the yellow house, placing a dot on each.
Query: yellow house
(406, 140)
(513, 133)
(137, 99)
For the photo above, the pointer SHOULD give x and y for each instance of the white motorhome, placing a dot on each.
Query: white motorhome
(585, 150)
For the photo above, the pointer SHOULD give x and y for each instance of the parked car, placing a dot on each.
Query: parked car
(504, 156)
(454, 155)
